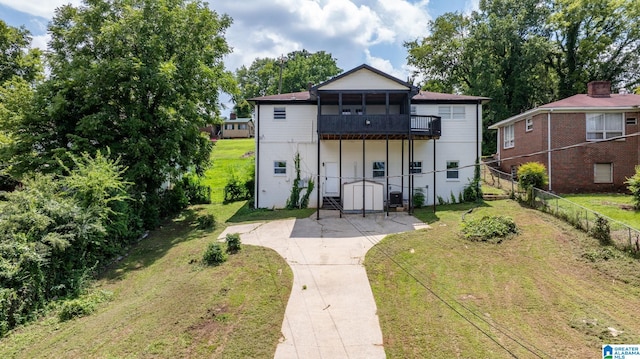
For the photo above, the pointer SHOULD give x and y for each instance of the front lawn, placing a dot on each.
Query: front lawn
(551, 290)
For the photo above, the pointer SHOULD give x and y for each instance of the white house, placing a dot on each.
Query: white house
(366, 139)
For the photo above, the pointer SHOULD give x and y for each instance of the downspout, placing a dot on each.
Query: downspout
(476, 169)
(549, 147)
(319, 111)
(256, 189)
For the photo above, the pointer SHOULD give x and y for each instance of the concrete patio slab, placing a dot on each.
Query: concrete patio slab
(331, 312)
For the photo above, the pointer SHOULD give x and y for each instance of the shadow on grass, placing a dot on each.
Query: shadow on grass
(428, 216)
(172, 231)
(248, 214)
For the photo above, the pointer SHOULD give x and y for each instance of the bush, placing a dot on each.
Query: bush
(233, 243)
(634, 187)
(214, 255)
(472, 192)
(84, 306)
(195, 192)
(601, 231)
(418, 198)
(532, 174)
(208, 221)
(489, 228)
(234, 191)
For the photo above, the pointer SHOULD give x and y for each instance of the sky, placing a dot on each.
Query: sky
(355, 32)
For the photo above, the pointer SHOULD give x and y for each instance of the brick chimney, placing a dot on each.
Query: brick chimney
(232, 116)
(599, 89)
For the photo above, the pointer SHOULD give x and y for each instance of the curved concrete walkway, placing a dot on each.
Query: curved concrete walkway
(336, 315)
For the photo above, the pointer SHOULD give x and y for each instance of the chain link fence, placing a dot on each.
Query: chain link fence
(496, 178)
(622, 236)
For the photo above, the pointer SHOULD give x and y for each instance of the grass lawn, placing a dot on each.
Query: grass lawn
(230, 157)
(616, 206)
(537, 289)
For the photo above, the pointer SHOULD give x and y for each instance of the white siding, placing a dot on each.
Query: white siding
(364, 80)
(299, 125)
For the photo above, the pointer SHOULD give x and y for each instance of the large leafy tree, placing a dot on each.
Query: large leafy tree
(497, 52)
(290, 73)
(136, 76)
(529, 52)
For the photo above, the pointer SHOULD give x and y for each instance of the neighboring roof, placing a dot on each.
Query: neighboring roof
(579, 103)
(238, 120)
(437, 97)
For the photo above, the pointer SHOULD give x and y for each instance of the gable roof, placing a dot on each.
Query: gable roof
(428, 96)
(387, 80)
(238, 120)
(579, 103)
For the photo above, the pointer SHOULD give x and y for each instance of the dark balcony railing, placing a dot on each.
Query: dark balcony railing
(378, 124)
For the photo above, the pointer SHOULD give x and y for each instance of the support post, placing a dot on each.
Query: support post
(363, 175)
(386, 166)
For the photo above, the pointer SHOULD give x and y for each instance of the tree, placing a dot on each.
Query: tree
(526, 53)
(495, 52)
(137, 76)
(595, 40)
(297, 70)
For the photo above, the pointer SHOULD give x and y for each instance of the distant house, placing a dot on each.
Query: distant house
(582, 140)
(368, 141)
(237, 127)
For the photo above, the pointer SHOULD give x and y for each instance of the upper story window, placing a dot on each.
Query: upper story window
(528, 124)
(414, 110)
(279, 113)
(632, 121)
(452, 112)
(508, 137)
(378, 169)
(346, 111)
(601, 126)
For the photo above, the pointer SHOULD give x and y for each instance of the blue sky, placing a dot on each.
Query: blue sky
(353, 31)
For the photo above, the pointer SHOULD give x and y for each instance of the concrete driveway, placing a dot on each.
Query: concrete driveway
(336, 315)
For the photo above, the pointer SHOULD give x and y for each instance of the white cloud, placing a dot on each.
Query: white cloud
(40, 41)
(43, 8)
(471, 6)
(385, 65)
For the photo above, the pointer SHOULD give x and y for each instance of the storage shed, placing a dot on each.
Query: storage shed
(359, 193)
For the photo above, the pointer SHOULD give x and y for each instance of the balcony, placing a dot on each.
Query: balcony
(378, 126)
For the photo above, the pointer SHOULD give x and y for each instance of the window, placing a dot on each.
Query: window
(378, 169)
(228, 126)
(242, 126)
(414, 110)
(601, 126)
(528, 124)
(279, 167)
(452, 112)
(452, 170)
(603, 173)
(415, 167)
(346, 111)
(358, 111)
(632, 121)
(279, 113)
(508, 136)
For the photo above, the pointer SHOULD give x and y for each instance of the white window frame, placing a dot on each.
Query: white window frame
(597, 167)
(378, 172)
(279, 168)
(415, 167)
(528, 124)
(279, 113)
(242, 126)
(508, 137)
(455, 112)
(453, 170)
(599, 125)
(414, 110)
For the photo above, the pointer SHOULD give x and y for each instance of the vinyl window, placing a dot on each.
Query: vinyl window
(378, 169)
(452, 170)
(603, 173)
(452, 112)
(508, 137)
(280, 168)
(601, 126)
(528, 124)
(279, 113)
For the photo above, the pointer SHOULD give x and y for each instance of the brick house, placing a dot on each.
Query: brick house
(586, 141)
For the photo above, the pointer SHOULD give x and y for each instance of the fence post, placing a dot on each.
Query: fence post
(587, 217)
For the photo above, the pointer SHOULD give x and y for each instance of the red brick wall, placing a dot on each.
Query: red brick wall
(572, 169)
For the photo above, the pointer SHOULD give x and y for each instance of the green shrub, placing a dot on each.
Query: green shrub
(453, 197)
(418, 198)
(234, 191)
(532, 174)
(441, 201)
(634, 187)
(601, 231)
(83, 306)
(214, 255)
(195, 192)
(207, 221)
(489, 228)
(472, 191)
(233, 243)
